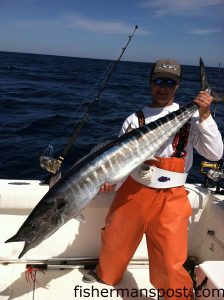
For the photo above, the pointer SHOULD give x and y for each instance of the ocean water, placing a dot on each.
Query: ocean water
(43, 97)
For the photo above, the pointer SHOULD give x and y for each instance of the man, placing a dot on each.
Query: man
(161, 214)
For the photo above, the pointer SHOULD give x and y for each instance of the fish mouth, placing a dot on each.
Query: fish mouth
(14, 238)
(25, 249)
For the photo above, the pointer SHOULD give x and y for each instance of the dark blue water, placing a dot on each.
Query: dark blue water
(42, 97)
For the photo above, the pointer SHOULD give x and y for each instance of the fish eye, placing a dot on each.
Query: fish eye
(32, 226)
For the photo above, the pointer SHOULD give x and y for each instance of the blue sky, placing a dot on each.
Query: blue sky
(178, 29)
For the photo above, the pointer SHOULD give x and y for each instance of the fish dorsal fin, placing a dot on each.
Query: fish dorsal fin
(94, 149)
(101, 145)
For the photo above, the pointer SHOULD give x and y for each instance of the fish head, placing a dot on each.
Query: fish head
(43, 221)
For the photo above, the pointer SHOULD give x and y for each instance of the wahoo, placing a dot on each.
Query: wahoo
(111, 163)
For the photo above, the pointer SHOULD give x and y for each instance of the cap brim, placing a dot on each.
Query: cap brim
(166, 75)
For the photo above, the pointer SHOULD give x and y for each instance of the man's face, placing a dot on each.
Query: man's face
(163, 91)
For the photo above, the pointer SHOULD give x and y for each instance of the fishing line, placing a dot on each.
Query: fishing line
(216, 96)
(53, 165)
(79, 124)
(34, 285)
(87, 99)
(50, 149)
(11, 289)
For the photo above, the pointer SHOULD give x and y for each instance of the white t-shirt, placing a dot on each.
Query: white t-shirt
(204, 137)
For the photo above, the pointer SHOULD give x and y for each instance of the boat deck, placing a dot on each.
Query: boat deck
(77, 240)
(67, 284)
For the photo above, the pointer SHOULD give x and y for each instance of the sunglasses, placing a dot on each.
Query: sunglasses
(166, 82)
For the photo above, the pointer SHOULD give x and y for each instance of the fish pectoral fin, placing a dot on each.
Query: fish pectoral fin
(80, 218)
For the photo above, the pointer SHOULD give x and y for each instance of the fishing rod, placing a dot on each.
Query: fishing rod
(53, 165)
(215, 96)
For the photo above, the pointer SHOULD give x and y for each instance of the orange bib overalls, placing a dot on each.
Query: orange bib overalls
(162, 215)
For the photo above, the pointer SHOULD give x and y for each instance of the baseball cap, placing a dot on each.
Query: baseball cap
(166, 69)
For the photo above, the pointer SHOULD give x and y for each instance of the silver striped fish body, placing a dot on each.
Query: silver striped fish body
(116, 160)
(111, 163)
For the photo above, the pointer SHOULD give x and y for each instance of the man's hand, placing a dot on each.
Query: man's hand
(203, 100)
(107, 187)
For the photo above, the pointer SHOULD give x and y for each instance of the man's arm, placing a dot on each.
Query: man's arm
(207, 138)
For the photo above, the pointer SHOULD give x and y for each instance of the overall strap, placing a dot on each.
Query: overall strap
(180, 140)
(141, 118)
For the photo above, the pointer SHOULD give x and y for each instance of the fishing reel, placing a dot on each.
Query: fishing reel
(50, 164)
(209, 168)
(214, 173)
